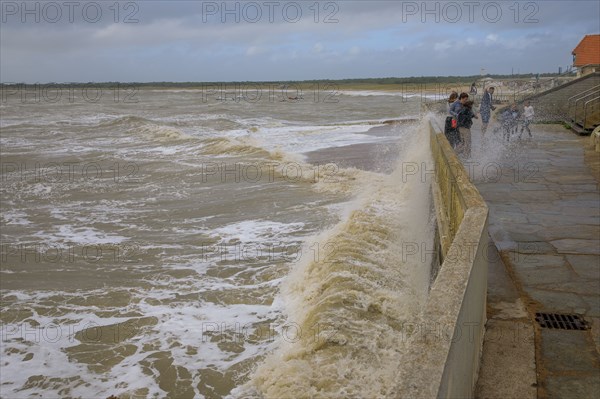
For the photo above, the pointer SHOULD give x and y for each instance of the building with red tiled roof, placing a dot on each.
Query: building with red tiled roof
(586, 56)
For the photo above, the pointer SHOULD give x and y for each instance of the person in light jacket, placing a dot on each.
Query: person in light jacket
(451, 131)
(528, 115)
(458, 104)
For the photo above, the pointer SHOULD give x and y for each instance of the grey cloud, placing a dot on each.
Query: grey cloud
(172, 42)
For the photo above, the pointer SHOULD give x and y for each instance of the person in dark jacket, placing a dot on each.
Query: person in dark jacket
(473, 88)
(486, 108)
(465, 121)
(510, 118)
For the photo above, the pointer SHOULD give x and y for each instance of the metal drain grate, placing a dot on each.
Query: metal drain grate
(561, 321)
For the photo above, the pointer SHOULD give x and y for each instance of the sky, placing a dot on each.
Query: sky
(208, 41)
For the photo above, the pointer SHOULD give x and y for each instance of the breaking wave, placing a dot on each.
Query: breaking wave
(349, 303)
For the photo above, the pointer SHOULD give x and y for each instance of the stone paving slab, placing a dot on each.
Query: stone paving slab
(577, 246)
(535, 247)
(593, 306)
(559, 345)
(573, 231)
(557, 302)
(544, 275)
(580, 198)
(530, 259)
(585, 265)
(560, 387)
(576, 285)
(507, 347)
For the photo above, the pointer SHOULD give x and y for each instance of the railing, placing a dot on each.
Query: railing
(594, 116)
(504, 94)
(571, 101)
(581, 107)
(540, 86)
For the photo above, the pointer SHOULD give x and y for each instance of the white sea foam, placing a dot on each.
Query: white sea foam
(167, 214)
(370, 93)
(254, 231)
(302, 139)
(402, 93)
(16, 217)
(46, 342)
(80, 235)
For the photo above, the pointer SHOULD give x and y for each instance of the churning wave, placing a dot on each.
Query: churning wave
(348, 304)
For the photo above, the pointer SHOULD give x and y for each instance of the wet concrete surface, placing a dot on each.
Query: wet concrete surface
(547, 230)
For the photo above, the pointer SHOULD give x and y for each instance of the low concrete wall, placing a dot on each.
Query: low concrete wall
(446, 346)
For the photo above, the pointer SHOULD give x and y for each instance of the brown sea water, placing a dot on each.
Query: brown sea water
(182, 246)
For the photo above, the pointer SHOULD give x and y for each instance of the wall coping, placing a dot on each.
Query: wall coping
(446, 347)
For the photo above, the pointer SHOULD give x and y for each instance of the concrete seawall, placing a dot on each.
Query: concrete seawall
(446, 347)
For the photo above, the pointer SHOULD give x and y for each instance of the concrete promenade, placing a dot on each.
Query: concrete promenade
(544, 219)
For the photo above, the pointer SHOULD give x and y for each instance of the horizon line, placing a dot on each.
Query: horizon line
(346, 80)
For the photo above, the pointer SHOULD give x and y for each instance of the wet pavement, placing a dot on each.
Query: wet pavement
(545, 222)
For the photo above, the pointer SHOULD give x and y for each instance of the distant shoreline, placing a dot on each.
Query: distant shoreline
(346, 84)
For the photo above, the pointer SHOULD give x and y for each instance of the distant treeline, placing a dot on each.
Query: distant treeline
(367, 81)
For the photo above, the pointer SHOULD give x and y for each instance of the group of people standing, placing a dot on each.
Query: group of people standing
(511, 118)
(461, 114)
(460, 119)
